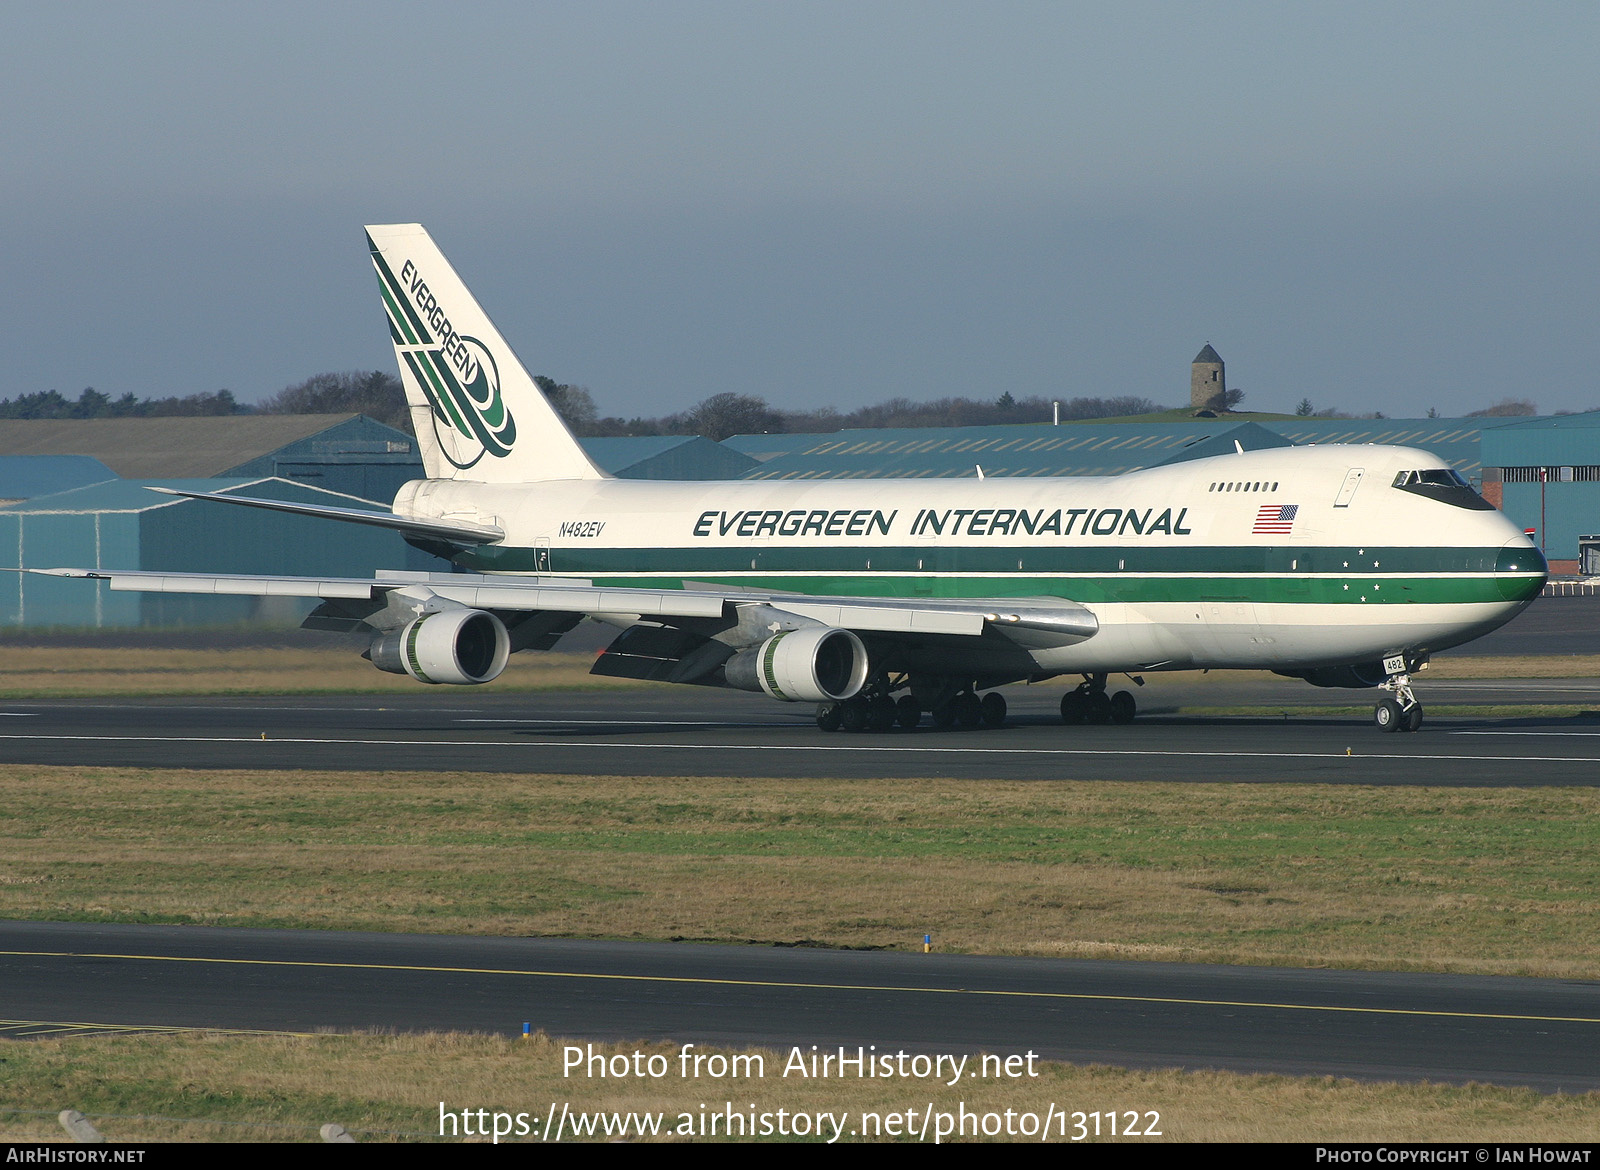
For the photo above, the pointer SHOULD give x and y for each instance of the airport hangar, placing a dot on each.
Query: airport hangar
(74, 492)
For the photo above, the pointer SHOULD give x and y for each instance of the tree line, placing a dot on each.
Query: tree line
(93, 404)
(727, 414)
(379, 395)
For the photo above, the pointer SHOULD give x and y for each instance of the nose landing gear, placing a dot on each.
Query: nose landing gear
(1398, 710)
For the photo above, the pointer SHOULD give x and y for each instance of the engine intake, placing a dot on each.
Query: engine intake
(461, 646)
(818, 664)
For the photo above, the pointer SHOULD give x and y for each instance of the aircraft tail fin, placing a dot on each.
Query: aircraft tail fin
(477, 413)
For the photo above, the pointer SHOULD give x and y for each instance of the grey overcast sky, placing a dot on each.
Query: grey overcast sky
(1376, 206)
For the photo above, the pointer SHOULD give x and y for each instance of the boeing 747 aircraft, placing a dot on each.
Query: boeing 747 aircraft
(883, 601)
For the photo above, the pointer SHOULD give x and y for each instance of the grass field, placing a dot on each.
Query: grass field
(211, 1087)
(43, 672)
(1499, 881)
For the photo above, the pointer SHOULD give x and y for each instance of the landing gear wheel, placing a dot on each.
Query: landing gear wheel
(969, 711)
(1414, 717)
(853, 714)
(1387, 715)
(881, 713)
(908, 712)
(1073, 707)
(1099, 707)
(993, 709)
(830, 715)
(944, 716)
(1123, 708)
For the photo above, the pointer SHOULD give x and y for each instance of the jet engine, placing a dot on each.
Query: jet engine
(462, 646)
(1356, 675)
(816, 664)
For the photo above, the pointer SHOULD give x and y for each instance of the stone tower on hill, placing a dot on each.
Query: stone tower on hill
(1207, 381)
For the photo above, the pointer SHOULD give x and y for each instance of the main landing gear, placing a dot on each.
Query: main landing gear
(953, 705)
(863, 713)
(1398, 710)
(1089, 703)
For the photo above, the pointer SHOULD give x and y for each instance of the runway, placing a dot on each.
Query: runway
(667, 731)
(73, 978)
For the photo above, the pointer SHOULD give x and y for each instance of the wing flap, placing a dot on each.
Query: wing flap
(1027, 618)
(909, 619)
(585, 599)
(148, 581)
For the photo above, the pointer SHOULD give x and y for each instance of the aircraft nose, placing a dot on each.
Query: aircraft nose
(1520, 570)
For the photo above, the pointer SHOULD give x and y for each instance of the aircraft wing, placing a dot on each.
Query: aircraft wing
(473, 592)
(1048, 617)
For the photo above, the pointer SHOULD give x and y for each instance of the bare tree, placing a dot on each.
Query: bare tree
(574, 404)
(1225, 401)
(373, 393)
(723, 415)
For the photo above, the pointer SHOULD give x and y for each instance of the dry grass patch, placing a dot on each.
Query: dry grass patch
(40, 672)
(1501, 881)
(1520, 666)
(199, 1087)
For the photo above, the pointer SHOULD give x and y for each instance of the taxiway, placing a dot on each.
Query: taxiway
(75, 978)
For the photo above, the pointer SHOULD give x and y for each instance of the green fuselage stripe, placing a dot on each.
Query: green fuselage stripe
(1112, 574)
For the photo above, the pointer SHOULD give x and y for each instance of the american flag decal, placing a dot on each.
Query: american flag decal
(1275, 520)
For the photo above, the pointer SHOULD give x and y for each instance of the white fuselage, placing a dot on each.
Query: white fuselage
(1281, 558)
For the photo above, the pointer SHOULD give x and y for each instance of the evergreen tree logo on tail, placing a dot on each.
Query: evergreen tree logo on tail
(457, 374)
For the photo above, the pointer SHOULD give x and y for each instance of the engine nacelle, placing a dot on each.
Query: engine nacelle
(817, 664)
(462, 646)
(1354, 676)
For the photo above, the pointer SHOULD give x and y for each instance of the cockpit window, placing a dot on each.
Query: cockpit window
(1443, 484)
(1437, 476)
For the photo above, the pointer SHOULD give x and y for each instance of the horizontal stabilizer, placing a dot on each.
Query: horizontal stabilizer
(453, 531)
